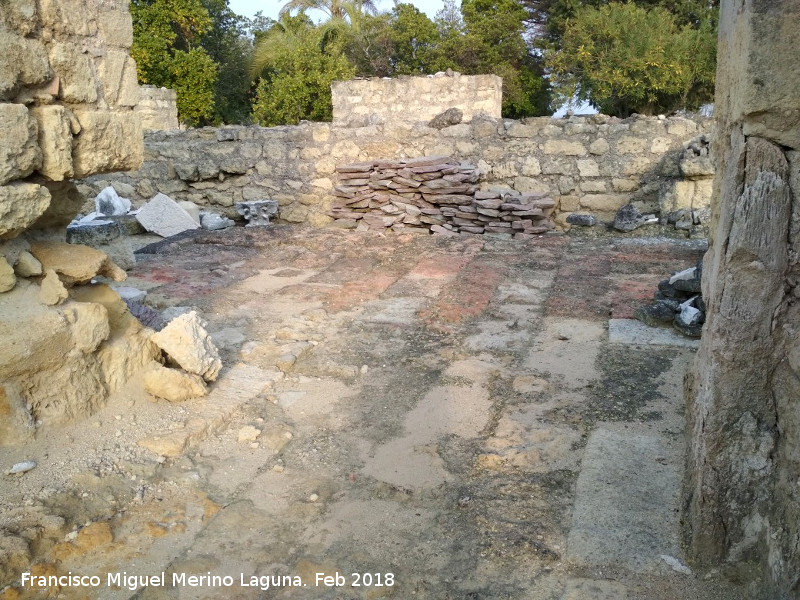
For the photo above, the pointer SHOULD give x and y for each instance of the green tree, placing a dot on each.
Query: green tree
(167, 50)
(624, 58)
(295, 68)
(228, 44)
(335, 9)
(414, 40)
(490, 40)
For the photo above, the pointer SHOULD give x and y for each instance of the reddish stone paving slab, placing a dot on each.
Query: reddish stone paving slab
(630, 294)
(429, 275)
(355, 292)
(344, 269)
(469, 293)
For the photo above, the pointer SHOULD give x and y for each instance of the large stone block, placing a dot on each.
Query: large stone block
(74, 69)
(115, 27)
(55, 141)
(604, 202)
(19, 150)
(19, 16)
(107, 142)
(186, 342)
(117, 72)
(20, 205)
(22, 62)
(70, 17)
(564, 147)
(165, 217)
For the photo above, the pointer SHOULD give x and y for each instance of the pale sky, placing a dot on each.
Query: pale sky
(248, 8)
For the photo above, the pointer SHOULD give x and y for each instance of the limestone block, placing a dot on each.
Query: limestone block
(7, 278)
(588, 168)
(593, 185)
(165, 217)
(173, 385)
(17, 425)
(117, 72)
(660, 145)
(115, 28)
(19, 16)
(186, 342)
(531, 167)
(52, 290)
(89, 324)
(568, 203)
(676, 195)
(27, 265)
(192, 209)
(530, 185)
(624, 185)
(697, 167)
(631, 145)
(558, 165)
(604, 202)
(23, 61)
(70, 17)
(20, 205)
(55, 141)
(635, 165)
(681, 127)
(599, 146)
(75, 72)
(75, 263)
(564, 147)
(107, 142)
(19, 150)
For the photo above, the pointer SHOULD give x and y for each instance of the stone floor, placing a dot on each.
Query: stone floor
(447, 410)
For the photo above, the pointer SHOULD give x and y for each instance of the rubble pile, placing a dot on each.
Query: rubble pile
(434, 193)
(678, 303)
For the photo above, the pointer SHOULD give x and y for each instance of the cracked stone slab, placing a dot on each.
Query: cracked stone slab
(626, 502)
(631, 331)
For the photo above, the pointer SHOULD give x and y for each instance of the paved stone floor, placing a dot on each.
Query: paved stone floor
(447, 410)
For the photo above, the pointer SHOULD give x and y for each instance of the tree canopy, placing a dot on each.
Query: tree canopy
(644, 56)
(625, 58)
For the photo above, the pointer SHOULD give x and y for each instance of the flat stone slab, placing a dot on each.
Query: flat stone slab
(626, 502)
(631, 331)
(162, 215)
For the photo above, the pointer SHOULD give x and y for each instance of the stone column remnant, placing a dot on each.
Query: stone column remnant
(744, 394)
(257, 212)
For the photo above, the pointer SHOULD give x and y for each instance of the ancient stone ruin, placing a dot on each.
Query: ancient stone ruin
(463, 406)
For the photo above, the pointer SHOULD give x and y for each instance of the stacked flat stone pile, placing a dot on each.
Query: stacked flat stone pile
(434, 193)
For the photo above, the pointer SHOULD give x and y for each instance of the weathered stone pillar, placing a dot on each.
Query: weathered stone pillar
(743, 478)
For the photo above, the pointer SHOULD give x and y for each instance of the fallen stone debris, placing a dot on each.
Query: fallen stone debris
(678, 303)
(436, 194)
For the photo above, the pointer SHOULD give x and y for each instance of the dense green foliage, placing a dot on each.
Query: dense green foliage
(625, 58)
(645, 56)
(296, 68)
(166, 36)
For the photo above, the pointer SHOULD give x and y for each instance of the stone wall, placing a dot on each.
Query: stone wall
(67, 91)
(744, 396)
(591, 164)
(363, 102)
(157, 108)
(67, 95)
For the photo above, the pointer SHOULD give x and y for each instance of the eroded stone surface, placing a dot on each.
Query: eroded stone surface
(186, 341)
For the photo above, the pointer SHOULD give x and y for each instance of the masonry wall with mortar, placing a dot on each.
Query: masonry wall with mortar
(592, 164)
(362, 102)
